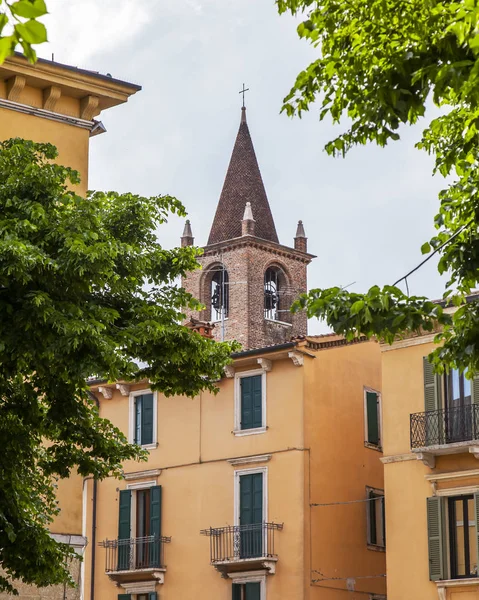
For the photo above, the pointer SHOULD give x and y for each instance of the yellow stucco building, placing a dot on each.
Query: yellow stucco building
(431, 451)
(223, 512)
(60, 104)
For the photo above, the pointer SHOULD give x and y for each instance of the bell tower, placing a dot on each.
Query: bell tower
(248, 280)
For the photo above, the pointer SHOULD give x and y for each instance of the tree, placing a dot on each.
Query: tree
(20, 20)
(380, 62)
(85, 289)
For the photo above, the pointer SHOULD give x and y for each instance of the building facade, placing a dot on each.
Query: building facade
(271, 489)
(59, 104)
(263, 491)
(431, 451)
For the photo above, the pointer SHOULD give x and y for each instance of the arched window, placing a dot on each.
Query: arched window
(273, 279)
(219, 295)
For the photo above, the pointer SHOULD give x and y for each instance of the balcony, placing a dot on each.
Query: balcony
(446, 431)
(135, 559)
(243, 547)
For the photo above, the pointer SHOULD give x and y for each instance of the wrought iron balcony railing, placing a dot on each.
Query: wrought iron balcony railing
(135, 553)
(445, 426)
(242, 542)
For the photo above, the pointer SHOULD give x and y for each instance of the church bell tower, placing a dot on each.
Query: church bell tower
(248, 280)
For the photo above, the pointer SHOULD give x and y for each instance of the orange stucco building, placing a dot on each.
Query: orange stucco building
(431, 447)
(59, 104)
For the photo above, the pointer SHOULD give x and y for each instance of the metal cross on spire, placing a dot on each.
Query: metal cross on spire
(243, 91)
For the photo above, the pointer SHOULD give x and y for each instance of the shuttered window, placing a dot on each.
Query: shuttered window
(376, 518)
(247, 591)
(124, 597)
(373, 418)
(144, 419)
(251, 402)
(124, 530)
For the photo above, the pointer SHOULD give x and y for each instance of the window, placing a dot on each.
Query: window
(143, 409)
(250, 402)
(247, 591)
(139, 528)
(376, 518)
(272, 293)
(219, 294)
(372, 418)
(462, 537)
(453, 536)
(148, 596)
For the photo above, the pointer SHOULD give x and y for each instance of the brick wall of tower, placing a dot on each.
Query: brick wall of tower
(246, 264)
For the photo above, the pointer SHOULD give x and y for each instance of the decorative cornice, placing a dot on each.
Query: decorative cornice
(229, 371)
(265, 364)
(249, 460)
(394, 458)
(124, 388)
(417, 340)
(75, 541)
(297, 358)
(15, 87)
(88, 107)
(51, 116)
(107, 392)
(273, 247)
(136, 475)
(453, 475)
(51, 96)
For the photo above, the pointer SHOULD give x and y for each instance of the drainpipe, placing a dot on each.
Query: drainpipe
(93, 521)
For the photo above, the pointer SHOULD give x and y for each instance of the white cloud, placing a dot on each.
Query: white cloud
(79, 29)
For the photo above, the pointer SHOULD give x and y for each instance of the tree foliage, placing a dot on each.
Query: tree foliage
(19, 26)
(85, 290)
(380, 63)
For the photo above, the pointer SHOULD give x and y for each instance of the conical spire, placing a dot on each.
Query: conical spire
(243, 183)
(187, 238)
(300, 239)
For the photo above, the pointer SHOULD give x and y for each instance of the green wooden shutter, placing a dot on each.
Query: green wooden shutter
(138, 409)
(476, 514)
(257, 400)
(147, 419)
(251, 402)
(432, 387)
(152, 596)
(475, 389)
(372, 410)
(253, 591)
(246, 386)
(236, 590)
(124, 596)
(124, 529)
(155, 526)
(435, 538)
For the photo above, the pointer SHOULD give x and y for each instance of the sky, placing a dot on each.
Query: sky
(366, 215)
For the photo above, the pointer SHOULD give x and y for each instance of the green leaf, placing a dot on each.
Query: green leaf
(426, 248)
(29, 9)
(357, 307)
(33, 32)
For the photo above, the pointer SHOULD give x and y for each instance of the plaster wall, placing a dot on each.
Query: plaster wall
(406, 486)
(341, 468)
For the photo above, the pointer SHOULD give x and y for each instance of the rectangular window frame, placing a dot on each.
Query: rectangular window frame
(371, 545)
(367, 444)
(451, 539)
(131, 423)
(237, 403)
(251, 578)
(134, 487)
(236, 491)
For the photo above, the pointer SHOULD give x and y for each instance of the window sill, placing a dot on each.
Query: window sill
(445, 584)
(376, 548)
(278, 321)
(373, 447)
(255, 431)
(149, 446)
